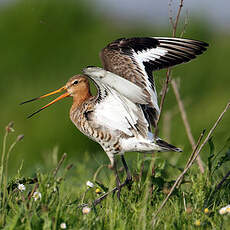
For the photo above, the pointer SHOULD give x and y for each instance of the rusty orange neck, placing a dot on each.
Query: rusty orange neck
(82, 94)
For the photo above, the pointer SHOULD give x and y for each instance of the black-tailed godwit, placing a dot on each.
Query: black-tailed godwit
(123, 113)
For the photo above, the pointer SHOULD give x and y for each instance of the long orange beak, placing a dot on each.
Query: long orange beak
(66, 94)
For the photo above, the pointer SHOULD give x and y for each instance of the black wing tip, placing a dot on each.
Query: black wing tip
(205, 44)
(151, 39)
(143, 43)
(135, 43)
(201, 44)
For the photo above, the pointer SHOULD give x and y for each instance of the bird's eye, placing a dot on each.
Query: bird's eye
(75, 82)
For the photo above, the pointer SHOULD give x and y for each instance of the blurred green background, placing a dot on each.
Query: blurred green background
(43, 43)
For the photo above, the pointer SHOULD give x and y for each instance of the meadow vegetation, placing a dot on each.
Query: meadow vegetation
(42, 45)
(54, 199)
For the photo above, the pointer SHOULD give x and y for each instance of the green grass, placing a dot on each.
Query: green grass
(63, 197)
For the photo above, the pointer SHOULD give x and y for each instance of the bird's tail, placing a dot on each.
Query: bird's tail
(166, 146)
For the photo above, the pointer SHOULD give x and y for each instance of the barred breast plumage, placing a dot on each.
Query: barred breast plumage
(83, 118)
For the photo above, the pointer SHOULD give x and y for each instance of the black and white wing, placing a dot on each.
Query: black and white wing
(118, 103)
(135, 58)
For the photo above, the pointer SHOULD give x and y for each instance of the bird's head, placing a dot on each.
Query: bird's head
(76, 87)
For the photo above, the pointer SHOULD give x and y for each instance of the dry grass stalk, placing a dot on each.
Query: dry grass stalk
(174, 25)
(59, 164)
(168, 79)
(194, 155)
(186, 123)
(164, 91)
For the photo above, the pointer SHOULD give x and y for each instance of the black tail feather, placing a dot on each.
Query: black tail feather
(167, 146)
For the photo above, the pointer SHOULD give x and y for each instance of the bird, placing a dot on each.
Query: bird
(122, 116)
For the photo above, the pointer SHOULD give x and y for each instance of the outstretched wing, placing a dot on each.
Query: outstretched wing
(107, 79)
(135, 58)
(118, 103)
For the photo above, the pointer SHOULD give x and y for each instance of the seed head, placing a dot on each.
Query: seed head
(9, 127)
(20, 137)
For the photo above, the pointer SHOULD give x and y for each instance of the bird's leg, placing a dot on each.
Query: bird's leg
(128, 179)
(101, 198)
(118, 182)
(98, 200)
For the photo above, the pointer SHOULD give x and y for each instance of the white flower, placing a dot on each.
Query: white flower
(21, 187)
(225, 209)
(37, 195)
(63, 225)
(86, 210)
(222, 211)
(89, 184)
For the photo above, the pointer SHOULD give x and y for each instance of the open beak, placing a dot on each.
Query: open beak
(66, 94)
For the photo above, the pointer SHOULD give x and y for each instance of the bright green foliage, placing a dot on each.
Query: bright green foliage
(195, 204)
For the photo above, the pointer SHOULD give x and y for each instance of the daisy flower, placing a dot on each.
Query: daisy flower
(37, 195)
(63, 225)
(21, 187)
(225, 210)
(86, 210)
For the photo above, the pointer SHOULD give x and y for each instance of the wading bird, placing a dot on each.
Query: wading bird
(122, 114)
